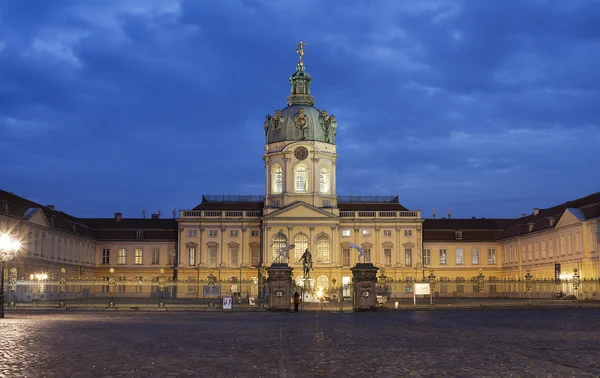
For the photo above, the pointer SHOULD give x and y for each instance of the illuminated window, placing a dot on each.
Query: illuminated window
(325, 182)
(492, 256)
(427, 256)
(191, 256)
(323, 248)
(443, 257)
(459, 256)
(475, 256)
(300, 245)
(276, 179)
(279, 241)
(138, 253)
(301, 178)
(122, 256)
(323, 282)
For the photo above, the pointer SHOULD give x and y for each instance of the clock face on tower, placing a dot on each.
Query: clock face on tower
(301, 153)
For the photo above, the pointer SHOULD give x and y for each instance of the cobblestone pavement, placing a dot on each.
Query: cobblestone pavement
(519, 343)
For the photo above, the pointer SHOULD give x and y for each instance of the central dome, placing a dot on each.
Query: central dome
(300, 120)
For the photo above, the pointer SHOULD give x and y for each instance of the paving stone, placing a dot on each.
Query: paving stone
(518, 343)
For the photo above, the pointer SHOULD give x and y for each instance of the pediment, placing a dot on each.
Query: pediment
(570, 217)
(36, 216)
(300, 210)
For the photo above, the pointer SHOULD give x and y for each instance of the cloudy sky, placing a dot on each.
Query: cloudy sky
(485, 107)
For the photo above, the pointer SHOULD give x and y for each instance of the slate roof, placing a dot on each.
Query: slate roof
(19, 207)
(96, 228)
(482, 229)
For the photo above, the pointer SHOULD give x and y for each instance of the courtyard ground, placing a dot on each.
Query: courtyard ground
(492, 343)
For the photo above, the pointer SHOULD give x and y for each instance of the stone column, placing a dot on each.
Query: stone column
(335, 248)
(310, 241)
(245, 258)
(377, 251)
(365, 287)
(222, 263)
(354, 254)
(201, 256)
(265, 246)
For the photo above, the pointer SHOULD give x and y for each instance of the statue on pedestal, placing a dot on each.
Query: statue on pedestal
(307, 262)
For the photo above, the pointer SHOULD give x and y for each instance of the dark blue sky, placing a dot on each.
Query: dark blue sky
(486, 107)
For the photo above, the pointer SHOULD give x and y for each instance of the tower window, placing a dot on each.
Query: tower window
(325, 180)
(277, 179)
(301, 178)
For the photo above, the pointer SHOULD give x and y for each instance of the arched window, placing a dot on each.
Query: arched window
(279, 241)
(323, 283)
(325, 180)
(276, 179)
(301, 178)
(323, 248)
(300, 245)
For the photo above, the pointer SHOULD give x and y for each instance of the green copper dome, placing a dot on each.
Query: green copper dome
(300, 120)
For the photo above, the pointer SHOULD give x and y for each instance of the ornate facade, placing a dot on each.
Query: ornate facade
(237, 236)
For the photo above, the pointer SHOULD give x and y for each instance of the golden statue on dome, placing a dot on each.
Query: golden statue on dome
(300, 51)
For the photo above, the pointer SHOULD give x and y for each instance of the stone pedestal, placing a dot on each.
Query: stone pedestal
(280, 287)
(365, 287)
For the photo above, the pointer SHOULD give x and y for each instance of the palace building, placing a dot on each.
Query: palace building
(236, 236)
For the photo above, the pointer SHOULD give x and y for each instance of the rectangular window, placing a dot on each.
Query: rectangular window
(492, 256)
(139, 234)
(234, 256)
(346, 257)
(275, 203)
(443, 256)
(426, 256)
(346, 233)
(408, 256)
(192, 232)
(122, 256)
(387, 256)
(254, 233)
(255, 256)
(458, 235)
(212, 257)
(366, 232)
(325, 203)
(213, 233)
(155, 256)
(387, 233)
(105, 256)
(407, 232)
(191, 252)
(234, 233)
(138, 253)
(459, 256)
(475, 256)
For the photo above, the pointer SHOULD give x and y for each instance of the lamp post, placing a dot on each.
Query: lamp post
(8, 250)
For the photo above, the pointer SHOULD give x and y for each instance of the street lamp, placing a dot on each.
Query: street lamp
(8, 250)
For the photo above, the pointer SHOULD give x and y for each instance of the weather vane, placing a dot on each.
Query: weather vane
(300, 51)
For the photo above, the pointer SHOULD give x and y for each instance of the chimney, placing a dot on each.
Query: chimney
(118, 217)
(433, 213)
(536, 211)
(523, 215)
(154, 216)
(474, 218)
(449, 214)
(51, 207)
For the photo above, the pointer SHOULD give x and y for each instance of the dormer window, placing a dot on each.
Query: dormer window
(458, 235)
(139, 234)
(531, 226)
